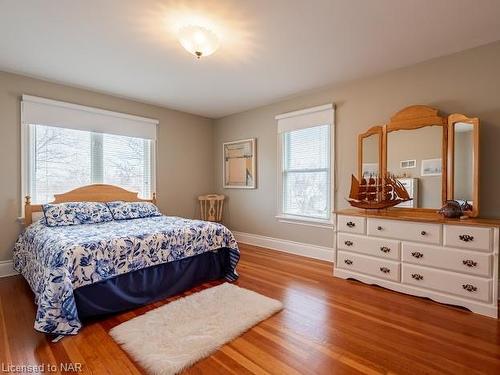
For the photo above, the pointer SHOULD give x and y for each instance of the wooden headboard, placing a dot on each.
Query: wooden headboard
(88, 193)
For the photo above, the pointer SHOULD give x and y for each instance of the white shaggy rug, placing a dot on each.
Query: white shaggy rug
(175, 336)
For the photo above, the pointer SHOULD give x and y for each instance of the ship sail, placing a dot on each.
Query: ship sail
(354, 194)
(399, 189)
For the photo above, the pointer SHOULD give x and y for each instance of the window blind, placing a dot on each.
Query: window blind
(319, 115)
(64, 159)
(36, 110)
(127, 163)
(306, 172)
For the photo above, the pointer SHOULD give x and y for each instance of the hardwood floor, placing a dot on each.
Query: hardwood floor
(328, 326)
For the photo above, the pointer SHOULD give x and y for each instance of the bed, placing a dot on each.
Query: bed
(80, 271)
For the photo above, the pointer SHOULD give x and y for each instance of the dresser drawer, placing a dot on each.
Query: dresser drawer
(384, 269)
(474, 238)
(351, 224)
(405, 230)
(388, 249)
(449, 282)
(452, 259)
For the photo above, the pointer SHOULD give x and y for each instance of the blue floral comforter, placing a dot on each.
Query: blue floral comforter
(57, 260)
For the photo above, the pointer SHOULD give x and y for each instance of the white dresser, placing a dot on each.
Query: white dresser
(450, 261)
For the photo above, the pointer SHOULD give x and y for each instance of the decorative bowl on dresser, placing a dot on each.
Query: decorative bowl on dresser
(416, 250)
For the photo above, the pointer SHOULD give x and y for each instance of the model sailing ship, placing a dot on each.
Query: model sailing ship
(375, 193)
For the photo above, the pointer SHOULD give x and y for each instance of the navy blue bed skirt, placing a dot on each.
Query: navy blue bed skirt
(150, 284)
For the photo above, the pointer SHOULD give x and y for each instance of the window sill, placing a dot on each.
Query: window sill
(310, 222)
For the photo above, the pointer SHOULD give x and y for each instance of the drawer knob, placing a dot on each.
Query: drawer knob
(469, 287)
(417, 276)
(379, 228)
(350, 224)
(469, 263)
(385, 269)
(466, 237)
(348, 243)
(417, 254)
(348, 261)
(385, 249)
(423, 233)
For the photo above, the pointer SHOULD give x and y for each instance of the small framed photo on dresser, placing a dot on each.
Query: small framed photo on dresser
(239, 164)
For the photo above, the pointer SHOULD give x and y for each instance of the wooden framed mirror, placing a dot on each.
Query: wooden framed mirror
(435, 158)
(415, 152)
(370, 152)
(463, 156)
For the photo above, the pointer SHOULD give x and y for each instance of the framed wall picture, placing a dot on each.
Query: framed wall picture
(239, 164)
(432, 167)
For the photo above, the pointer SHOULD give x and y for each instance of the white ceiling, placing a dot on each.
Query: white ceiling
(270, 49)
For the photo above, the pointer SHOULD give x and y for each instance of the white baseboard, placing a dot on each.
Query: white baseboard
(7, 268)
(297, 248)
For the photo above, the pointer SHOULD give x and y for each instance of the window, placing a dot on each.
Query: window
(61, 154)
(64, 159)
(305, 179)
(60, 160)
(126, 162)
(306, 172)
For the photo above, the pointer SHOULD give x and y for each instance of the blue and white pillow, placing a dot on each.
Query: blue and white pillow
(76, 213)
(132, 210)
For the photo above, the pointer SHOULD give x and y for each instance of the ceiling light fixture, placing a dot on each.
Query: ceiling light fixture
(198, 40)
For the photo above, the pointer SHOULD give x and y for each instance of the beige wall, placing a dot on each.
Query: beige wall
(467, 82)
(184, 165)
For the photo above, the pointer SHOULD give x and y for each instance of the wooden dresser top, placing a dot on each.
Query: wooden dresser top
(418, 215)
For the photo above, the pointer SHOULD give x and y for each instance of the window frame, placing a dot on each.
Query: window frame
(283, 217)
(27, 145)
